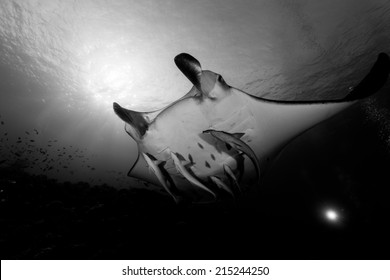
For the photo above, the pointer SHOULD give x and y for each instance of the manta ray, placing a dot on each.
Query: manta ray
(217, 141)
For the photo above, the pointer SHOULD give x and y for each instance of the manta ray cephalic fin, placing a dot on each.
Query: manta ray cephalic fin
(190, 67)
(154, 166)
(137, 123)
(183, 171)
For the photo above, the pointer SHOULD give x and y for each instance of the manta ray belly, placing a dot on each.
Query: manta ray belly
(179, 129)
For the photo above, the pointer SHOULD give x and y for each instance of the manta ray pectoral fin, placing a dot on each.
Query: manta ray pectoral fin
(370, 84)
(373, 81)
(217, 181)
(184, 172)
(229, 173)
(136, 123)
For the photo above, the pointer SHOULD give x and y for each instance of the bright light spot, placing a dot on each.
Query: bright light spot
(108, 76)
(331, 215)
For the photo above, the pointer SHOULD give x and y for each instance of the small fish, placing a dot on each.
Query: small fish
(183, 171)
(235, 142)
(229, 173)
(154, 167)
(221, 185)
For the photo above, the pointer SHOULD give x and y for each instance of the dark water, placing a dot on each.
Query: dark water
(43, 219)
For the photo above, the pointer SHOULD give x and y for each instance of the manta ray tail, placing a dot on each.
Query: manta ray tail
(373, 81)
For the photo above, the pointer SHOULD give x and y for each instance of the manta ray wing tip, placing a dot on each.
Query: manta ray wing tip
(373, 81)
(384, 56)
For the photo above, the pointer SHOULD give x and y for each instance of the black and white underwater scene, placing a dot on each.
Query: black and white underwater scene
(191, 129)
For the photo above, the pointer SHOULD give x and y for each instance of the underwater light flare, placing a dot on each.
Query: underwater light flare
(331, 215)
(108, 75)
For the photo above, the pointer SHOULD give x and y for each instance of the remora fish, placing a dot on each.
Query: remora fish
(266, 125)
(154, 167)
(234, 141)
(186, 174)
